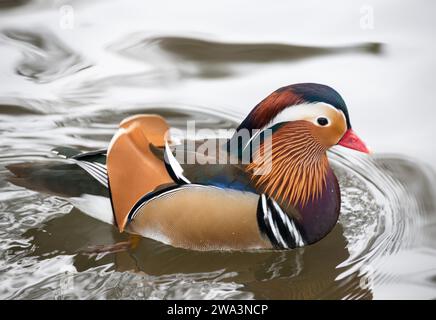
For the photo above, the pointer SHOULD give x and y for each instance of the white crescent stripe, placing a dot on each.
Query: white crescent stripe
(167, 193)
(290, 225)
(270, 221)
(174, 164)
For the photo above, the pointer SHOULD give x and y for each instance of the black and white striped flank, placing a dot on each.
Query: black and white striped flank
(279, 228)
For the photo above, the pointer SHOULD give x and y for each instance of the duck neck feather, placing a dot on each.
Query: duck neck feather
(297, 166)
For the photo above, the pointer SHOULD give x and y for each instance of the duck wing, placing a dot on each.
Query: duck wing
(187, 163)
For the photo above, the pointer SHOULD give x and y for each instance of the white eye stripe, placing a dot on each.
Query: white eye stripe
(305, 111)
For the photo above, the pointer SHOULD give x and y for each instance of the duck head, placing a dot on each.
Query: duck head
(319, 105)
(305, 120)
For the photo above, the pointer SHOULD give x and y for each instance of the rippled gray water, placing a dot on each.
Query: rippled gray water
(71, 87)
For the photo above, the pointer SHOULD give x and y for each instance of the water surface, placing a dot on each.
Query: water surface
(63, 86)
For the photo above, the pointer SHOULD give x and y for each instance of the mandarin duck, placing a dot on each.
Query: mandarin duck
(269, 186)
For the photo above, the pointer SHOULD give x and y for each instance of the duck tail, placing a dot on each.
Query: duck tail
(31, 176)
(58, 177)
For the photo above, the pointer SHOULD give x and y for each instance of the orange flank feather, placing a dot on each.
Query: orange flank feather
(133, 169)
(154, 126)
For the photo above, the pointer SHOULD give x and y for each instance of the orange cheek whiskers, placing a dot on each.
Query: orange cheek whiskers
(298, 166)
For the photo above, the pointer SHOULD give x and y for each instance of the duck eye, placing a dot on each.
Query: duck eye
(322, 121)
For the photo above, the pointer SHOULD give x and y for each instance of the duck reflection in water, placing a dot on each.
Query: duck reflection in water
(268, 274)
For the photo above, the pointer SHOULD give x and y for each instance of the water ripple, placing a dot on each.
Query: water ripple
(387, 216)
(193, 57)
(45, 57)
